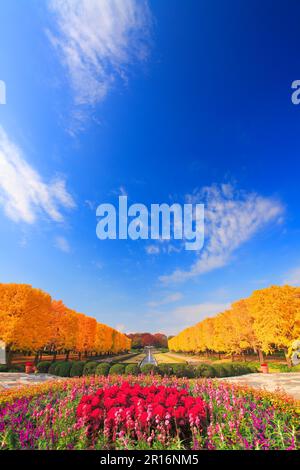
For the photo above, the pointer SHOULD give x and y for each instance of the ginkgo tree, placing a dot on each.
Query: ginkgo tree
(266, 321)
(31, 321)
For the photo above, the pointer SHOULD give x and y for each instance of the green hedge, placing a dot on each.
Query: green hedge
(63, 369)
(183, 370)
(132, 369)
(148, 369)
(102, 368)
(90, 368)
(43, 367)
(205, 370)
(165, 369)
(77, 369)
(117, 369)
(52, 368)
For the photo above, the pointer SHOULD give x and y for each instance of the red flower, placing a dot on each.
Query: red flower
(134, 410)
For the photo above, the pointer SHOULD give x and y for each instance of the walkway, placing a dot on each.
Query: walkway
(16, 379)
(288, 382)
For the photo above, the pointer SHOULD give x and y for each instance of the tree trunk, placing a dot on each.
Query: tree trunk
(9, 356)
(36, 358)
(260, 356)
(287, 358)
(67, 355)
(54, 357)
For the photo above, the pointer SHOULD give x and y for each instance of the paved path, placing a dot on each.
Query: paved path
(288, 382)
(16, 379)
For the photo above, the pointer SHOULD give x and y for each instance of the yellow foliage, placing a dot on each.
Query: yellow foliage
(31, 321)
(269, 319)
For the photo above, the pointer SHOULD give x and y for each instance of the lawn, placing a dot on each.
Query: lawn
(165, 358)
(146, 412)
(134, 359)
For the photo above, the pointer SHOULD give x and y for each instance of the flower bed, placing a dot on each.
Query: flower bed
(146, 412)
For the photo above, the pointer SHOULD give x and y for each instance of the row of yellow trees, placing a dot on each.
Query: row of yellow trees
(31, 321)
(267, 321)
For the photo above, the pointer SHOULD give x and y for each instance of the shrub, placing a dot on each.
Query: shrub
(132, 369)
(90, 368)
(63, 368)
(183, 370)
(230, 370)
(148, 369)
(52, 368)
(205, 370)
(3, 368)
(102, 369)
(117, 369)
(17, 368)
(220, 370)
(165, 369)
(77, 369)
(43, 367)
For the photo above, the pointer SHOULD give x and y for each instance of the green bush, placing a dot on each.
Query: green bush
(90, 368)
(148, 369)
(17, 368)
(63, 368)
(220, 370)
(165, 369)
(102, 369)
(52, 368)
(43, 367)
(77, 368)
(132, 369)
(117, 369)
(205, 370)
(230, 370)
(183, 370)
(3, 368)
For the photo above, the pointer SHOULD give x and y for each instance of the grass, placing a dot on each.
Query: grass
(134, 360)
(165, 358)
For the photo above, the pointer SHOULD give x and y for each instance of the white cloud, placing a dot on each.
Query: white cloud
(170, 298)
(152, 249)
(23, 193)
(174, 321)
(231, 218)
(293, 277)
(62, 244)
(98, 40)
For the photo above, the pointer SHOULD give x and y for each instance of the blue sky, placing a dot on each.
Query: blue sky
(164, 102)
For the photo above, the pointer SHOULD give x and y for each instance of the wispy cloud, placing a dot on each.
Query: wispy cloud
(23, 193)
(176, 320)
(167, 299)
(98, 40)
(152, 249)
(232, 217)
(62, 244)
(293, 277)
